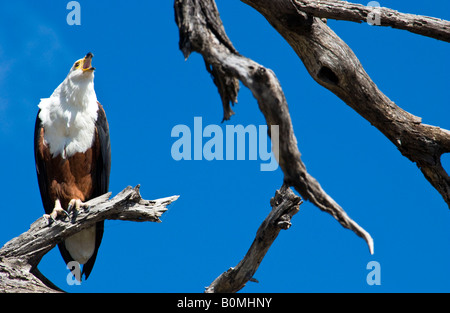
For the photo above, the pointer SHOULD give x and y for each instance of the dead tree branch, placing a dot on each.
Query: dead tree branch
(285, 205)
(20, 256)
(342, 10)
(201, 30)
(331, 62)
(334, 66)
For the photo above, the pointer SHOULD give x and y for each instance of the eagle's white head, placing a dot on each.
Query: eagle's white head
(82, 71)
(78, 87)
(69, 115)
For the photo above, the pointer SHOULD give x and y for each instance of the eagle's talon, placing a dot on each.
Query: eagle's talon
(57, 211)
(48, 217)
(77, 204)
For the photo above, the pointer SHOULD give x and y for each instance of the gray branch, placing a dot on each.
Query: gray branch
(20, 256)
(199, 24)
(331, 62)
(285, 205)
(379, 16)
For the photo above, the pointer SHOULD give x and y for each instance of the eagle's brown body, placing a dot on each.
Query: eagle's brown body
(71, 178)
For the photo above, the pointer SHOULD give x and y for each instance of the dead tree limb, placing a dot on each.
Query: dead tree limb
(201, 30)
(20, 256)
(342, 10)
(331, 62)
(285, 204)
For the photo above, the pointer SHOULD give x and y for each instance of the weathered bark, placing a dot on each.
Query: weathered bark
(285, 205)
(331, 62)
(333, 65)
(199, 33)
(378, 16)
(20, 256)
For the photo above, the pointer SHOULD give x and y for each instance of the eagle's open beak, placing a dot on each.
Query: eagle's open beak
(87, 62)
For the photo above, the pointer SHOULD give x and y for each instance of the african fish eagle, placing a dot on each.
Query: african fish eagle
(73, 157)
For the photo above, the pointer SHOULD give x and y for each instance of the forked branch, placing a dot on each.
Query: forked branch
(331, 62)
(20, 256)
(285, 205)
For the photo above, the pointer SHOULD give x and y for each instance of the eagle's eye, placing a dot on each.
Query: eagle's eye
(76, 65)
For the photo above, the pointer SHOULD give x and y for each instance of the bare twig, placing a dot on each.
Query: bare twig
(285, 205)
(20, 256)
(379, 16)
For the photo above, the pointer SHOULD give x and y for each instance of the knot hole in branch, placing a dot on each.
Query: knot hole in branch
(261, 75)
(327, 75)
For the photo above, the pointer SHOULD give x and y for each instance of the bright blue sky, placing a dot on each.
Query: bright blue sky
(147, 88)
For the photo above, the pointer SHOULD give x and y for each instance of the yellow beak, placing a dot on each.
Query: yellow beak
(87, 62)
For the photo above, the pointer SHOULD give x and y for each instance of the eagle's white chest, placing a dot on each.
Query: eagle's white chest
(69, 121)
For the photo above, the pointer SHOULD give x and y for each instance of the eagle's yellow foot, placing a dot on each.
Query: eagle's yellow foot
(57, 211)
(77, 205)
